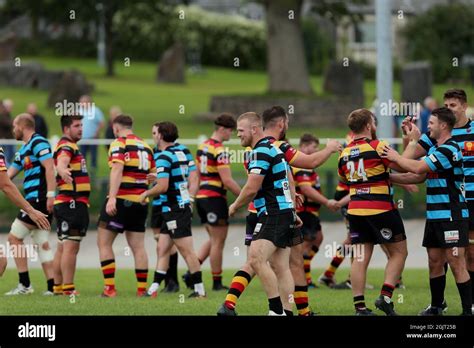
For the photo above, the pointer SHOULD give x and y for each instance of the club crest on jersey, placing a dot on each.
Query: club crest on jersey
(468, 148)
(354, 152)
(27, 163)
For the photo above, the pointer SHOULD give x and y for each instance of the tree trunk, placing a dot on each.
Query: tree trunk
(286, 61)
(109, 11)
(34, 26)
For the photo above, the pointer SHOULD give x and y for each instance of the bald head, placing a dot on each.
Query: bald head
(25, 121)
(8, 103)
(32, 109)
(114, 112)
(23, 126)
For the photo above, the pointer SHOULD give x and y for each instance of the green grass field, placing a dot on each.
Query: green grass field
(253, 302)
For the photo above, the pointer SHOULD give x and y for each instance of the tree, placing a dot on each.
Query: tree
(286, 62)
(450, 27)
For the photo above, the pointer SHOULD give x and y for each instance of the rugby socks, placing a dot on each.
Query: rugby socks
(359, 303)
(239, 282)
(58, 289)
(307, 268)
(159, 277)
(437, 286)
(217, 278)
(301, 300)
(172, 273)
(465, 292)
(50, 284)
(308, 257)
(196, 281)
(68, 289)
(387, 290)
(108, 270)
(335, 262)
(24, 279)
(141, 275)
(275, 305)
(471, 274)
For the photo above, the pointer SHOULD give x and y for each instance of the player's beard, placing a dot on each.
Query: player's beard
(373, 133)
(245, 142)
(18, 135)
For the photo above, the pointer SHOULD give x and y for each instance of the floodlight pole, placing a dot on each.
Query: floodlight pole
(383, 29)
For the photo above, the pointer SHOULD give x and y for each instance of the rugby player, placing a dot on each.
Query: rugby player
(130, 160)
(307, 184)
(418, 145)
(446, 234)
(171, 279)
(12, 193)
(35, 158)
(178, 181)
(215, 176)
(71, 206)
(372, 214)
(268, 185)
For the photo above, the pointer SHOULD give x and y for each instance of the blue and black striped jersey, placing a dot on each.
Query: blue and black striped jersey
(274, 197)
(464, 137)
(29, 159)
(175, 163)
(444, 198)
(3, 162)
(158, 199)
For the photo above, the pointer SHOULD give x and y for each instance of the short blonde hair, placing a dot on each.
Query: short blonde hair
(26, 120)
(252, 117)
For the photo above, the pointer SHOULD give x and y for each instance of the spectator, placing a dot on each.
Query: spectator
(8, 103)
(92, 124)
(40, 123)
(109, 131)
(429, 105)
(6, 128)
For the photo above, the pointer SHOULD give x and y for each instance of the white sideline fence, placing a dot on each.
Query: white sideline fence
(185, 141)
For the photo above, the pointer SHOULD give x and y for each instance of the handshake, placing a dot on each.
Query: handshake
(333, 205)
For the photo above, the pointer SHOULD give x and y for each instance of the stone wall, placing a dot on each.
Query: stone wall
(316, 112)
(69, 85)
